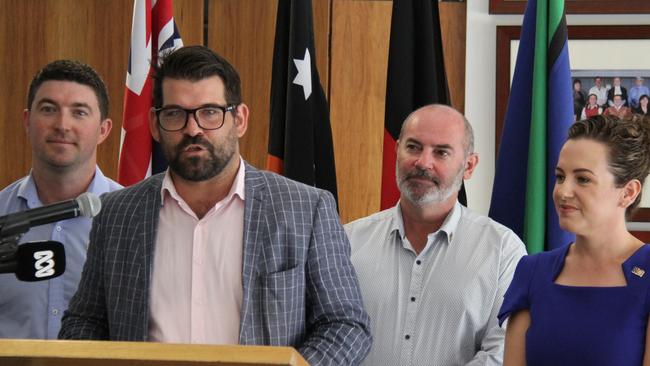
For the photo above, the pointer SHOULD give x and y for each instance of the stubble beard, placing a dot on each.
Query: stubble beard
(437, 194)
(199, 168)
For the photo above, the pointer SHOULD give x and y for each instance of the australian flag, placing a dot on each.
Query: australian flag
(153, 33)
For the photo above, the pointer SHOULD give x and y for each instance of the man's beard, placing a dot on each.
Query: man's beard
(438, 193)
(199, 168)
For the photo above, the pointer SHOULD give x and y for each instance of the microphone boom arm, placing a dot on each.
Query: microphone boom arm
(14, 227)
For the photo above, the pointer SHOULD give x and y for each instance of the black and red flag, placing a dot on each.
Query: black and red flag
(416, 77)
(300, 137)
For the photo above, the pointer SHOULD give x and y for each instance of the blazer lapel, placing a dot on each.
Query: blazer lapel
(254, 233)
(149, 211)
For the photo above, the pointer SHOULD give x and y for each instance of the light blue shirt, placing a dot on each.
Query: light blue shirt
(636, 92)
(438, 307)
(34, 309)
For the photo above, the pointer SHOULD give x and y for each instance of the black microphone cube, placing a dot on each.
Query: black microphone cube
(40, 260)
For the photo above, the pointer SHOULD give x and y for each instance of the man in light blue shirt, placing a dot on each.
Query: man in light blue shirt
(637, 91)
(433, 272)
(65, 120)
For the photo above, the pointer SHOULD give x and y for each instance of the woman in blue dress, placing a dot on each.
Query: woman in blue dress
(588, 303)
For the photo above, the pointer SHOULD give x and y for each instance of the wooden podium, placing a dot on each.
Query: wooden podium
(23, 352)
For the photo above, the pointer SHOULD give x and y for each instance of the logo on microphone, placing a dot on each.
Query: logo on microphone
(44, 264)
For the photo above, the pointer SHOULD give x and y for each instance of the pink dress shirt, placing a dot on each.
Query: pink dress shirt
(196, 288)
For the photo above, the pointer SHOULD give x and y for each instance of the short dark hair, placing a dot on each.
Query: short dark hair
(628, 146)
(71, 70)
(196, 63)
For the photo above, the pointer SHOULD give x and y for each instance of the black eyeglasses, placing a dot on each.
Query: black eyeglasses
(208, 117)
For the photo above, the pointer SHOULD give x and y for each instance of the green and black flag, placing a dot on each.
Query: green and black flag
(300, 137)
(540, 112)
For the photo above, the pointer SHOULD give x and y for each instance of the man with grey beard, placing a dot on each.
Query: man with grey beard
(214, 251)
(432, 272)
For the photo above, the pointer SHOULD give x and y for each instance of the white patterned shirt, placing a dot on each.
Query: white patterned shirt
(439, 307)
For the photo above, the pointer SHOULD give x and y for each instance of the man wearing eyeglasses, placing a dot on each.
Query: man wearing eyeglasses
(215, 251)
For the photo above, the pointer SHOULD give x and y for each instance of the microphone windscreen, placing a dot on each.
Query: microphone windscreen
(40, 260)
(89, 204)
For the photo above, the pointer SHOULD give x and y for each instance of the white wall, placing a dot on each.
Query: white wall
(480, 77)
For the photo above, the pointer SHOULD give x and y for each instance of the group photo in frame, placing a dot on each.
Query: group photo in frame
(595, 91)
(626, 59)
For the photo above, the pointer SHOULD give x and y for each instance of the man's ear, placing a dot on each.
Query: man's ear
(153, 125)
(26, 113)
(241, 119)
(470, 165)
(105, 127)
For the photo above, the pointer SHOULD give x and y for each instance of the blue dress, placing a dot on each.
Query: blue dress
(572, 325)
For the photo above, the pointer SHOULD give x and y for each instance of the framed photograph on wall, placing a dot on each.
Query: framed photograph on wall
(577, 6)
(606, 51)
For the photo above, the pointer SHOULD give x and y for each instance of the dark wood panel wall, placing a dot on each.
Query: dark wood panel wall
(351, 44)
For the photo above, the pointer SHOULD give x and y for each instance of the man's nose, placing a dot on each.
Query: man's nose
(192, 127)
(424, 161)
(63, 120)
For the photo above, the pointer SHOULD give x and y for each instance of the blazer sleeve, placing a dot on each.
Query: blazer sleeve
(337, 324)
(86, 317)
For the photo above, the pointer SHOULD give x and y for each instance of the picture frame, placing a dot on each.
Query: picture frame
(600, 35)
(577, 6)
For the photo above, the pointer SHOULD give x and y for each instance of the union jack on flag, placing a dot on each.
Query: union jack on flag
(153, 33)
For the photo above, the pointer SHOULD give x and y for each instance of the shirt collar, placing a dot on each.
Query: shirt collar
(448, 226)
(99, 185)
(28, 192)
(237, 188)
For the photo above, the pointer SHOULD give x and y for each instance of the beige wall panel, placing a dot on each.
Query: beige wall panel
(35, 32)
(188, 15)
(359, 51)
(321, 9)
(453, 21)
(360, 37)
(243, 31)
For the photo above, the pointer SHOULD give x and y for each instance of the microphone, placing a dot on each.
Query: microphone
(87, 204)
(36, 261)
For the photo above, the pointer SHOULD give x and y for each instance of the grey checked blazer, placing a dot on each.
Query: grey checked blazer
(300, 288)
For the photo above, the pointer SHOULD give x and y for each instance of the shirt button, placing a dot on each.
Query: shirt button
(412, 298)
(55, 311)
(407, 337)
(418, 262)
(58, 228)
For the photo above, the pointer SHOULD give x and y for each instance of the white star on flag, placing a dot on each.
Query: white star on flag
(304, 73)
